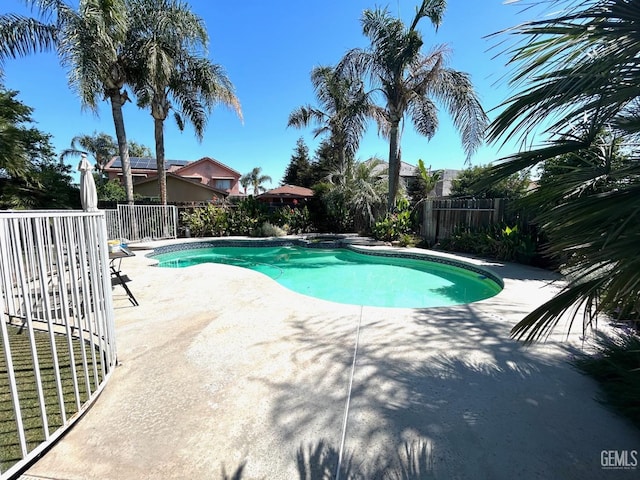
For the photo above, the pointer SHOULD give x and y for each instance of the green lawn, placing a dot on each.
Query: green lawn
(27, 390)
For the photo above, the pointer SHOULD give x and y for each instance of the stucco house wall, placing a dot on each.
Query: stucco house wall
(178, 190)
(212, 173)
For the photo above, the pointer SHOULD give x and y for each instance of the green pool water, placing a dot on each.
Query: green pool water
(345, 276)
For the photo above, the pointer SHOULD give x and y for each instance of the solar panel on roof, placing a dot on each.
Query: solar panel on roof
(146, 163)
(142, 163)
(180, 163)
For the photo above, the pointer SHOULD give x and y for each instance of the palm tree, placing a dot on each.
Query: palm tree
(245, 181)
(100, 145)
(410, 82)
(344, 108)
(360, 186)
(90, 43)
(92, 46)
(255, 179)
(169, 43)
(20, 36)
(579, 72)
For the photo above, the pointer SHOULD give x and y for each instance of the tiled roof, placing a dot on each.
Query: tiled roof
(289, 191)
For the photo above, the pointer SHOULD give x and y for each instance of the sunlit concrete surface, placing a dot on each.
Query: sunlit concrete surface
(225, 371)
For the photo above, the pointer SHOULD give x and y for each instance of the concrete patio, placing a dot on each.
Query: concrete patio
(224, 371)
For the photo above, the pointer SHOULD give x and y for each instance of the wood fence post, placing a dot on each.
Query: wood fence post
(428, 228)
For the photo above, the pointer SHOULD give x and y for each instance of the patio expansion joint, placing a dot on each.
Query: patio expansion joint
(348, 400)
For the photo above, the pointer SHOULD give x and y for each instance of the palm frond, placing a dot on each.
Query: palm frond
(20, 36)
(591, 214)
(344, 108)
(456, 91)
(303, 116)
(424, 115)
(431, 9)
(543, 320)
(573, 63)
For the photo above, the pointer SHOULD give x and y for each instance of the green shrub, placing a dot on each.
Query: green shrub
(207, 221)
(292, 220)
(246, 218)
(394, 225)
(329, 211)
(409, 240)
(500, 241)
(269, 230)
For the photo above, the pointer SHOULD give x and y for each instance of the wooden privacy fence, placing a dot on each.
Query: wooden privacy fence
(440, 216)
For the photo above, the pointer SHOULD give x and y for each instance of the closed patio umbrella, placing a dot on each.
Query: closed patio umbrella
(88, 193)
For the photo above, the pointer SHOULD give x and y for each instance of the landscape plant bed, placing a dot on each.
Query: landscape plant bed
(28, 393)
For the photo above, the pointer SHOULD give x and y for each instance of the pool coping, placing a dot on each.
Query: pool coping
(338, 243)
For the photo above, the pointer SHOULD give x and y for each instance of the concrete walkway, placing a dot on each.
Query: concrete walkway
(226, 372)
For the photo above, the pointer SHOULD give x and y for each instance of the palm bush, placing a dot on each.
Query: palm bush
(578, 74)
(357, 193)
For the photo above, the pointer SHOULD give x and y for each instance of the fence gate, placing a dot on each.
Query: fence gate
(135, 223)
(440, 216)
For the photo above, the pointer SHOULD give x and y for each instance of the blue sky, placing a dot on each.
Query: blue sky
(268, 49)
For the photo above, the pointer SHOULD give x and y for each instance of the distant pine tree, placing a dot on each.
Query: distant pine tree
(326, 161)
(298, 171)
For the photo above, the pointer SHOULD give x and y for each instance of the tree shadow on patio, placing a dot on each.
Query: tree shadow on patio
(452, 377)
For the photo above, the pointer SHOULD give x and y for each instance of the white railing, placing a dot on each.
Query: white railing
(134, 223)
(113, 224)
(56, 324)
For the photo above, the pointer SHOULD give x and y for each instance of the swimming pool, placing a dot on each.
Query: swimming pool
(346, 276)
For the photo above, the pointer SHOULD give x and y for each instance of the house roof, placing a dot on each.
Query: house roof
(406, 169)
(182, 179)
(291, 191)
(211, 160)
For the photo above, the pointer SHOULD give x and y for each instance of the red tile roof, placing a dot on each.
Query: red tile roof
(288, 191)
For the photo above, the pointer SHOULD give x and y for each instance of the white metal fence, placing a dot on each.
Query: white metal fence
(135, 223)
(57, 345)
(113, 224)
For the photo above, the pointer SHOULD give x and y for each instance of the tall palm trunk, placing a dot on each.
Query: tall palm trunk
(342, 156)
(158, 126)
(394, 164)
(117, 101)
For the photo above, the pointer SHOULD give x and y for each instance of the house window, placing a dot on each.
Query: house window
(223, 184)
